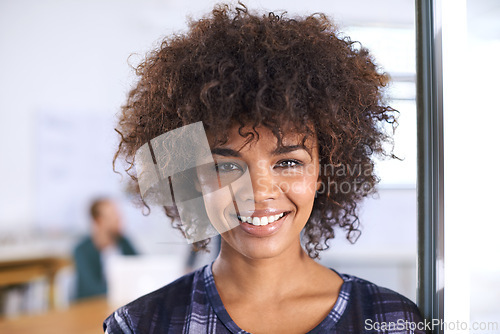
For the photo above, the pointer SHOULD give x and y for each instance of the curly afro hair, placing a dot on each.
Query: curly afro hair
(273, 71)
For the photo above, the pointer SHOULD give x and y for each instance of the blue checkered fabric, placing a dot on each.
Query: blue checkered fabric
(192, 304)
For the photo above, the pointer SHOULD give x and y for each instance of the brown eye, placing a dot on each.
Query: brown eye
(289, 163)
(227, 167)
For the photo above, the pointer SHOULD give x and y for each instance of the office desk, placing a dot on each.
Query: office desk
(24, 269)
(84, 317)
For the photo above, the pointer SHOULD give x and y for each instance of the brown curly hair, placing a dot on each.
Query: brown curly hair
(274, 71)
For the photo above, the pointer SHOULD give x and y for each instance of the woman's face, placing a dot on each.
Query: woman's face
(271, 191)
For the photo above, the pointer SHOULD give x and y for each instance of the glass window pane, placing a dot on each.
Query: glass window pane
(471, 44)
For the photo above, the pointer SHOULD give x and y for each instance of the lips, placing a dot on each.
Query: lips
(262, 223)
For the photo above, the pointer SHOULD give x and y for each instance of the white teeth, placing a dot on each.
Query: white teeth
(262, 220)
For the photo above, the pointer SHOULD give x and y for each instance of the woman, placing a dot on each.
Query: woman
(284, 104)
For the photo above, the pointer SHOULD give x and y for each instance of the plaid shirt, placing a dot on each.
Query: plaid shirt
(192, 304)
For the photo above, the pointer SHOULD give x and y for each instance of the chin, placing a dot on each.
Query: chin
(259, 248)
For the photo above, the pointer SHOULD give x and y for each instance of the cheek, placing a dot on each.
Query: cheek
(301, 190)
(217, 205)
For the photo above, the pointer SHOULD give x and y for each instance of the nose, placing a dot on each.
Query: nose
(258, 184)
(264, 183)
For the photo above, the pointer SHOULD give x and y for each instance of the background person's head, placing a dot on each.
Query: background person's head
(286, 74)
(106, 221)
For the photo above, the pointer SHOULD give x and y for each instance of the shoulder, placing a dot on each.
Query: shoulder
(85, 244)
(157, 309)
(379, 306)
(126, 246)
(381, 297)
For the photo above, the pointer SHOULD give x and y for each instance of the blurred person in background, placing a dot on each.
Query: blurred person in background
(92, 253)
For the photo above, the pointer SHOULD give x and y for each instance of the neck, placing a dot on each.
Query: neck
(102, 239)
(262, 278)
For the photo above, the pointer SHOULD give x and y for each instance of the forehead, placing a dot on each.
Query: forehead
(107, 206)
(239, 137)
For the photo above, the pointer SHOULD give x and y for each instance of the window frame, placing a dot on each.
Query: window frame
(430, 185)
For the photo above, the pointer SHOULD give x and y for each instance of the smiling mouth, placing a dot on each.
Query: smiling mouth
(262, 221)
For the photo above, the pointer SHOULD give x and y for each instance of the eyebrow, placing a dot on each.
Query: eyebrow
(227, 152)
(291, 148)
